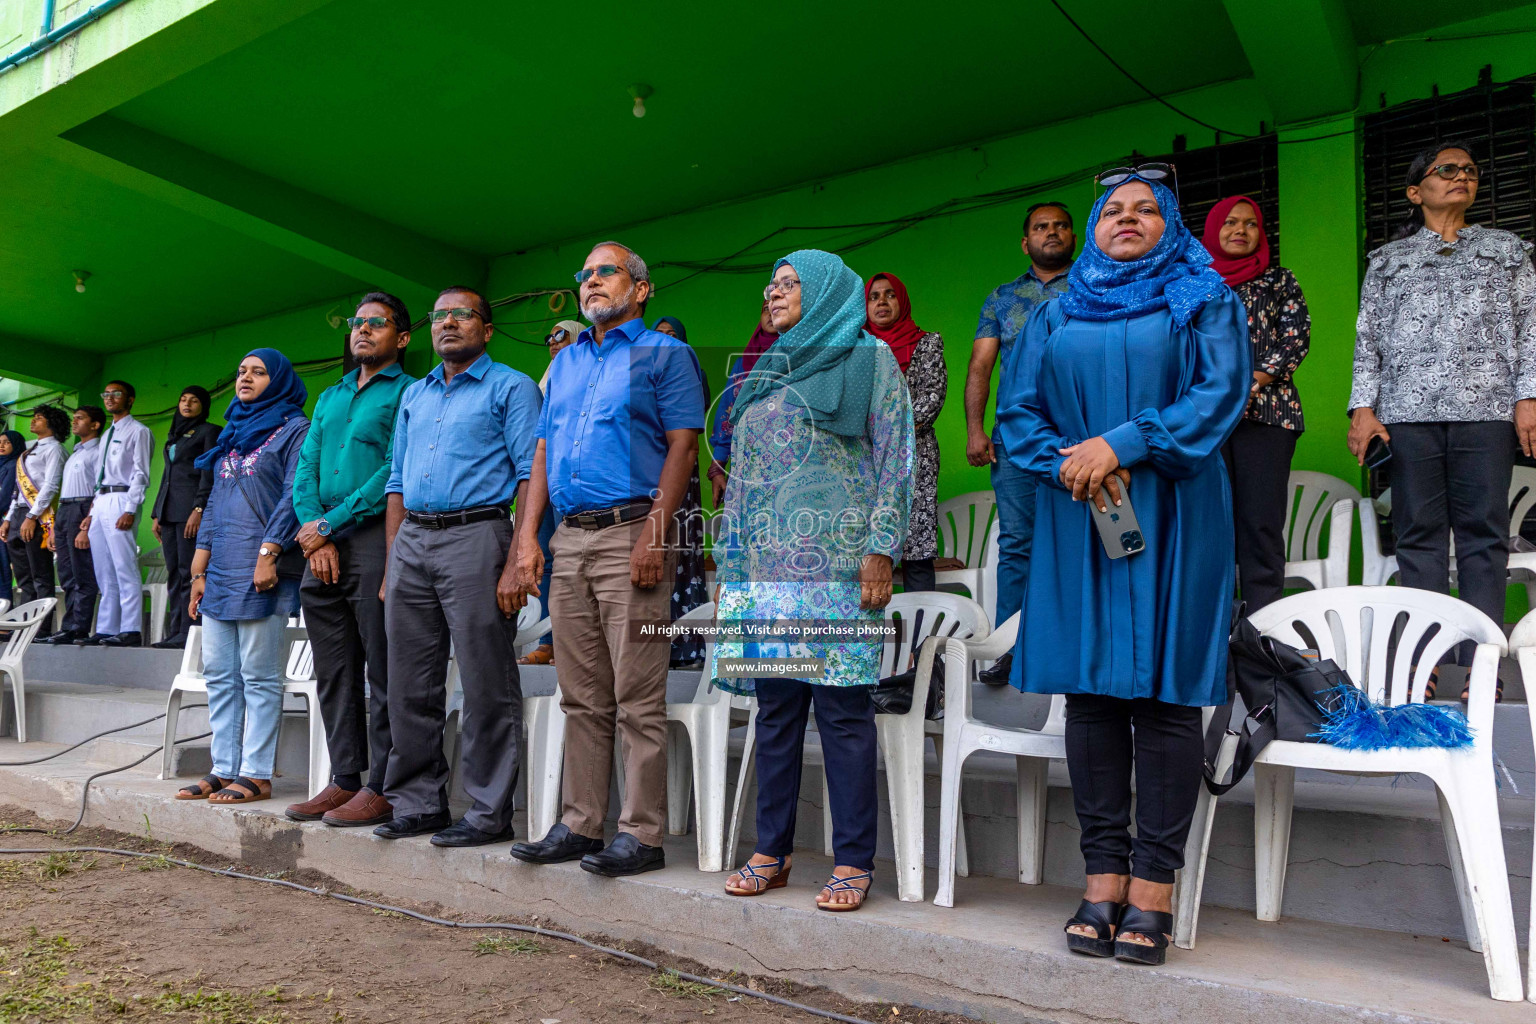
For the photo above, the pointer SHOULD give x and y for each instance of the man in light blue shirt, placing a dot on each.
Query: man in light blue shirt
(463, 450)
(618, 441)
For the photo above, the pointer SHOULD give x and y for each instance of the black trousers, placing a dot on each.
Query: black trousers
(179, 552)
(1105, 736)
(1453, 478)
(30, 561)
(77, 573)
(918, 575)
(845, 721)
(346, 633)
(1258, 458)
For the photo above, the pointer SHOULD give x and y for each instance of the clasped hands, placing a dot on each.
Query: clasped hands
(1092, 470)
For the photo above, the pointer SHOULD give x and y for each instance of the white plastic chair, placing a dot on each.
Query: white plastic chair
(1354, 626)
(23, 624)
(918, 617)
(299, 678)
(704, 724)
(965, 522)
(1522, 646)
(1313, 501)
(5, 605)
(156, 592)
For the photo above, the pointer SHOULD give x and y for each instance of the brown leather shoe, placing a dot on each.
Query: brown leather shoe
(365, 808)
(328, 799)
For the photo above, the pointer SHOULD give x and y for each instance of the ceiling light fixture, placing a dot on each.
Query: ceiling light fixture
(641, 92)
(80, 278)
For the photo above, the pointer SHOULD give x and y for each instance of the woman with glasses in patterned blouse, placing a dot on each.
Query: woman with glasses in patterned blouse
(1258, 455)
(1445, 374)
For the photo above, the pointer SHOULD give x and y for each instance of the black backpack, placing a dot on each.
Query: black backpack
(1280, 687)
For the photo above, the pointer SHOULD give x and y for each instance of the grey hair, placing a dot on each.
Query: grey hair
(632, 261)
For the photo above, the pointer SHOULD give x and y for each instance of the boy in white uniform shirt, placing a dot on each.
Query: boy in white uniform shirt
(121, 481)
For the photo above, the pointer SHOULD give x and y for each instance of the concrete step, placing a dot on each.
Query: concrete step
(997, 955)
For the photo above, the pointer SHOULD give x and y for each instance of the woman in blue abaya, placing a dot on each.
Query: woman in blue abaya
(1129, 383)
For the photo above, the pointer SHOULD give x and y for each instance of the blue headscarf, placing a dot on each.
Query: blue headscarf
(676, 324)
(247, 424)
(827, 359)
(1175, 274)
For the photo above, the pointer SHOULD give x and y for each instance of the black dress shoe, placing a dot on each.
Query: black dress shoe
(174, 643)
(94, 640)
(560, 845)
(63, 636)
(998, 674)
(124, 640)
(413, 825)
(462, 833)
(626, 855)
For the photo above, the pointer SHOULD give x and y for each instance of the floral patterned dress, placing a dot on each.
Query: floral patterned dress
(927, 382)
(1280, 328)
(803, 508)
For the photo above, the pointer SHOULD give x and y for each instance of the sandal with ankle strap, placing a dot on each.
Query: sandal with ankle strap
(778, 880)
(1104, 919)
(1153, 925)
(845, 884)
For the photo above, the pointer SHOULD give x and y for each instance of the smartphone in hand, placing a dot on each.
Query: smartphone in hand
(1117, 524)
(1378, 453)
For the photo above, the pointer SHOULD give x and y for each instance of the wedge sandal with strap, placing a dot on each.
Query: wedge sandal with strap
(763, 883)
(1104, 919)
(845, 884)
(249, 791)
(202, 789)
(1153, 925)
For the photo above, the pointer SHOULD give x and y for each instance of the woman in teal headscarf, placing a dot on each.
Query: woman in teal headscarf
(816, 509)
(1132, 379)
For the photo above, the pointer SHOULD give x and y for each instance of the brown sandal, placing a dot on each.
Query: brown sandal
(202, 789)
(243, 791)
(544, 654)
(778, 880)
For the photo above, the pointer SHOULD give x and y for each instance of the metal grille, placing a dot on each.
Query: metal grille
(1497, 119)
(1207, 176)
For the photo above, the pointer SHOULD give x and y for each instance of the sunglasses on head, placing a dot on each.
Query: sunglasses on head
(1154, 171)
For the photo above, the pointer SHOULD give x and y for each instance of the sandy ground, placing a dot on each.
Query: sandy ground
(94, 937)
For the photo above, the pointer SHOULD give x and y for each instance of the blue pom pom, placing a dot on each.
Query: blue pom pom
(1352, 722)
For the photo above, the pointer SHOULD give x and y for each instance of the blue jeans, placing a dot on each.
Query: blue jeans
(243, 662)
(1015, 490)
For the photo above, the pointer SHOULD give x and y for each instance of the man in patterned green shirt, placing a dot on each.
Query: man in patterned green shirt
(338, 493)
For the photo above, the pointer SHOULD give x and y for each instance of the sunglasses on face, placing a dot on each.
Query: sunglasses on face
(113, 394)
(555, 337)
(460, 314)
(1448, 172)
(376, 322)
(602, 270)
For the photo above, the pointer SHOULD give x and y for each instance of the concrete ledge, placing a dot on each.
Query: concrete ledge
(997, 955)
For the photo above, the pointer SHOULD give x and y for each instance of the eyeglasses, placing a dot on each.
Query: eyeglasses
(114, 394)
(602, 270)
(1448, 172)
(556, 336)
(785, 288)
(376, 322)
(437, 316)
(1150, 172)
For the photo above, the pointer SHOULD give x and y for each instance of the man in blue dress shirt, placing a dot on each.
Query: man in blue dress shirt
(464, 442)
(618, 441)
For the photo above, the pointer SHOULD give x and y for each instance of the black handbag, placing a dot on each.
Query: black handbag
(1280, 686)
(893, 694)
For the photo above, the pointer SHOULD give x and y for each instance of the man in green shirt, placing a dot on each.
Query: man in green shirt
(338, 493)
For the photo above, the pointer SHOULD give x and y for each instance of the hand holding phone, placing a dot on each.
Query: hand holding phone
(1378, 453)
(1117, 525)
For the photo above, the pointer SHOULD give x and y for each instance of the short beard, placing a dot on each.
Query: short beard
(1048, 262)
(377, 359)
(603, 315)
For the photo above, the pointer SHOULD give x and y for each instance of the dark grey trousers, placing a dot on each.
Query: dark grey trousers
(442, 590)
(77, 574)
(346, 632)
(1453, 478)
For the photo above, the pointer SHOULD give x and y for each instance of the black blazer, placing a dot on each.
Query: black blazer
(184, 487)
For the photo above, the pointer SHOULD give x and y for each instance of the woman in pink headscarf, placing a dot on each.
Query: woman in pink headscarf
(1258, 455)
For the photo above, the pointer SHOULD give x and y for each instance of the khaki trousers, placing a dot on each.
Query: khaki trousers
(610, 681)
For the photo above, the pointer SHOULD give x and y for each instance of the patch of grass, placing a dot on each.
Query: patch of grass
(394, 914)
(57, 865)
(36, 985)
(159, 862)
(487, 946)
(216, 1007)
(671, 982)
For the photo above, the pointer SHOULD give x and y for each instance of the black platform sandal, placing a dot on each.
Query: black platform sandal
(1103, 918)
(1155, 925)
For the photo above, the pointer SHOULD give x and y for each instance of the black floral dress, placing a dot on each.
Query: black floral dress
(927, 383)
(1280, 328)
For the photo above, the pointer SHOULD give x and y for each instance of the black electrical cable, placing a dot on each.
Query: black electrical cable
(547, 933)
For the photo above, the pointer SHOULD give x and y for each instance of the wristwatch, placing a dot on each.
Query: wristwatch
(271, 551)
(323, 527)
